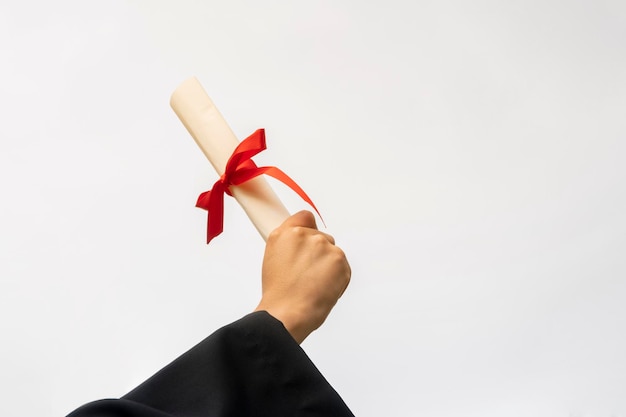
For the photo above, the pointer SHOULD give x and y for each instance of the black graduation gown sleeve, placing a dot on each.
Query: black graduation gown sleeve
(252, 367)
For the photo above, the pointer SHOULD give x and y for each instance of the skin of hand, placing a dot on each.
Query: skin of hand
(304, 274)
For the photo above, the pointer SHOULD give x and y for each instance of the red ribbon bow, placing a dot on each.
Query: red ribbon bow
(239, 169)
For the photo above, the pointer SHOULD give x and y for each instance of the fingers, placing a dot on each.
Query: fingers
(348, 276)
(346, 271)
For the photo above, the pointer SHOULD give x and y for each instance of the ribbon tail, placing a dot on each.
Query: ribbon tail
(203, 200)
(285, 179)
(215, 218)
(213, 202)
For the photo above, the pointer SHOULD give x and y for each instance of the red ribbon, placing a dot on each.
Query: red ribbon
(239, 169)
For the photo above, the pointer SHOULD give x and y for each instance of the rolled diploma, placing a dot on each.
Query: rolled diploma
(217, 141)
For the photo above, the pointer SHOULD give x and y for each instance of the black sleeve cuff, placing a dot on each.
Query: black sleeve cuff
(252, 367)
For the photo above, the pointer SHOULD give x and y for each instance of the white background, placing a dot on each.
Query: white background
(468, 156)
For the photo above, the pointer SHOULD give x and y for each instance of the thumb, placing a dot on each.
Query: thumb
(302, 218)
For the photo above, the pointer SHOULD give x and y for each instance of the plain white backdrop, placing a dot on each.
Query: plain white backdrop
(468, 156)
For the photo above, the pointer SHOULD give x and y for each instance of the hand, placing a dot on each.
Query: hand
(304, 274)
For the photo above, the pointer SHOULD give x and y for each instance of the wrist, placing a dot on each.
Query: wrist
(290, 320)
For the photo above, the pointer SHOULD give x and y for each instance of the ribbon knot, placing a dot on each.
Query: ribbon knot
(239, 169)
(226, 182)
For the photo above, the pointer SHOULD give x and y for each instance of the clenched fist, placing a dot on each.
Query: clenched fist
(304, 274)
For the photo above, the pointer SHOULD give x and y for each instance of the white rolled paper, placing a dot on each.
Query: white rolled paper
(217, 141)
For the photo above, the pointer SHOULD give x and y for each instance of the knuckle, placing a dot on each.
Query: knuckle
(274, 235)
(342, 262)
(319, 239)
(340, 254)
(298, 231)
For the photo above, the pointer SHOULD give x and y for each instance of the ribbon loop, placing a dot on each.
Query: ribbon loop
(239, 169)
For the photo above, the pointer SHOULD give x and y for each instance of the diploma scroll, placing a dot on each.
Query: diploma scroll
(217, 141)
